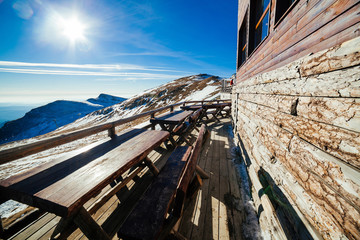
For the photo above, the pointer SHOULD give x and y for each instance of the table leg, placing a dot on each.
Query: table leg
(151, 166)
(88, 226)
(61, 230)
(169, 129)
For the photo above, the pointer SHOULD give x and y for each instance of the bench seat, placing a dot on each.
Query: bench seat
(149, 214)
(166, 195)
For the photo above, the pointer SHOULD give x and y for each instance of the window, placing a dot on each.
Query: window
(259, 22)
(282, 6)
(242, 43)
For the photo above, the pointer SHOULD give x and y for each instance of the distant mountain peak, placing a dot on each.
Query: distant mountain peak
(51, 116)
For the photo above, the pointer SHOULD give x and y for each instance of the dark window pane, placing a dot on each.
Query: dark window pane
(281, 7)
(242, 43)
(259, 22)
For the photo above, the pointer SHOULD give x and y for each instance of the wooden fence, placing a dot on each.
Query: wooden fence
(11, 154)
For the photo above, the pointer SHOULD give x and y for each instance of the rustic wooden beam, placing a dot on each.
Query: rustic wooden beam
(201, 172)
(89, 227)
(111, 132)
(151, 166)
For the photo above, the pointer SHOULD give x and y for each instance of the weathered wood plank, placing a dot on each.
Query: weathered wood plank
(211, 227)
(294, 41)
(88, 226)
(226, 221)
(339, 57)
(338, 142)
(311, 174)
(340, 83)
(313, 212)
(340, 112)
(92, 173)
(201, 206)
(145, 224)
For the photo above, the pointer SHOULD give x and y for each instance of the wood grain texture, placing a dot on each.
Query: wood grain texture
(339, 112)
(313, 171)
(306, 27)
(171, 118)
(148, 216)
(66, 186)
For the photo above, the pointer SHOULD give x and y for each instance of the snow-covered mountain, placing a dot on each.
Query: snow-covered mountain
(196, 87)
(49, 117)
(61, 117)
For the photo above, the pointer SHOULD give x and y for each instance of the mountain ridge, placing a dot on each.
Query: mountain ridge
(194, 87)
(47, 118)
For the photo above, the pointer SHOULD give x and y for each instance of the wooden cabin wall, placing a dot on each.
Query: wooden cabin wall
(296, 110)
(311, 26)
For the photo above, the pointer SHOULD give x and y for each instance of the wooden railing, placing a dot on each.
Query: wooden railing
(11, 154)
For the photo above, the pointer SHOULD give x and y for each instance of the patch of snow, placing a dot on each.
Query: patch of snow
(251, 228)
(9, 208)
(203, 94)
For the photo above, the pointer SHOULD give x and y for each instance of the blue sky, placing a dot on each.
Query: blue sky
(78, 49)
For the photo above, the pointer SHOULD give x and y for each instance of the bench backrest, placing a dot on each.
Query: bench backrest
(189, 171)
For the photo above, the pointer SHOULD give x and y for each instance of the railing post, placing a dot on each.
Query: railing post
(1, 226)
(171, 108)
(111, 132)
(152, 125)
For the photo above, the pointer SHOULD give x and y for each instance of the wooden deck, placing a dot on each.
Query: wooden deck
(212, 213)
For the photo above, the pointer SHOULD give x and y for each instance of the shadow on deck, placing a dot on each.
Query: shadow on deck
(212, 214)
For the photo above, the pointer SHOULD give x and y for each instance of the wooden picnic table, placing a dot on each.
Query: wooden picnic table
(170, 120)
(206, 106)
(216, 108)
(64, 185)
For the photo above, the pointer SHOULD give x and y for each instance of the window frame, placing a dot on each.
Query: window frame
(267, 10)
(245, 47)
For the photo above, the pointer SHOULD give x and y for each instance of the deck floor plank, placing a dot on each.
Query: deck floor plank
(212, 214)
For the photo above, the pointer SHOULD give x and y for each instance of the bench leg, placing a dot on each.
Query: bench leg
(201, 172)
(89, 227)
(151, 166)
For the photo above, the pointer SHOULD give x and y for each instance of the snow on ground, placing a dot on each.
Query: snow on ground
(251, 228)
(10, 208)
(203, 94)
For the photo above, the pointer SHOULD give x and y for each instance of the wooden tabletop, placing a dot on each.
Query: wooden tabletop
(191, 107)
(64, 185)
(175, 117)
(207, 106)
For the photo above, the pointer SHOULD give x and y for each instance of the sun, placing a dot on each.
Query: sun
(73, 29)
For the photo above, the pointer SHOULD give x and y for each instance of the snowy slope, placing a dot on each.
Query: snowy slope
(49, 117)
(197, 87)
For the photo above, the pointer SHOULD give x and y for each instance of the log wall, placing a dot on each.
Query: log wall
(296, 110)
(310, 26)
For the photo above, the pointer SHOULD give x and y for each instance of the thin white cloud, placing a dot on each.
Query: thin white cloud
(133, 75)
(114, 67)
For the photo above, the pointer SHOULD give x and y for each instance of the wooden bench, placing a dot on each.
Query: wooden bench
(62, 186)
(161, 206)
(184, 129)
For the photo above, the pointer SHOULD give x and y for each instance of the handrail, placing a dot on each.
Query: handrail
(11, 154)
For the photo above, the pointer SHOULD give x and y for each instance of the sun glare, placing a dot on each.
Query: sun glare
(73, 29)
